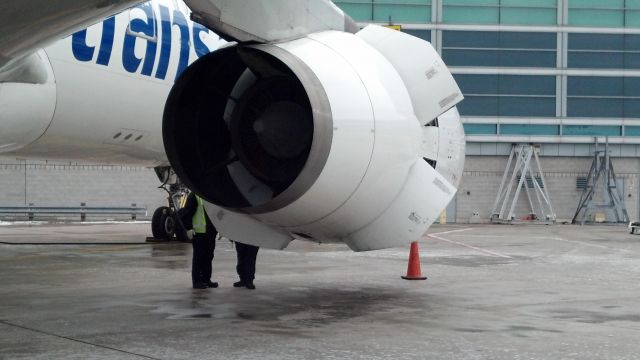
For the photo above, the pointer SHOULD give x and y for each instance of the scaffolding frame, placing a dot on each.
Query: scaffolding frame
(527, 166)
(601, 177)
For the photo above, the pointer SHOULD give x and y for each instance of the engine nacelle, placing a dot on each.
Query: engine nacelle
(27, 101)
(333, 137)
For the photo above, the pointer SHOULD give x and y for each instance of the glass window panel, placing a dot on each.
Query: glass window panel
(632, 86)
(480, 129)
(528, 59)
(464, 48)
(598, 86)
(595, 107)
(596, 60)
(527, 129)
(402, 13)
(402, 2)
(633, 4)
(506, 84)
(472, 2)
(418, 11)
(528, 40)
(477, 84)
(496, 39)
(632, 131)
(596, 4)
(470, 15)
(528, 16)
(359, 10)
(612, 56)
(422, 34)
(527, 106)
(530, 3)
(632, 18)
(632, 61)
(632, 42)
(632, 108)
(479, 106)
(527, 85)
(596, 42)
(591, 130)
(471, 39)
(454, 57)
(604, 18)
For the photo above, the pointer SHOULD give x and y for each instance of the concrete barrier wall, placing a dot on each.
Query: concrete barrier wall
(47, 184)
(44, 184)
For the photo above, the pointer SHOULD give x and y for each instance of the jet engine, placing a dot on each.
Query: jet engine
(331, 137)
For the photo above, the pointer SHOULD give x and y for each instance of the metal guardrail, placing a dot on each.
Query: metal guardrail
(82, 210)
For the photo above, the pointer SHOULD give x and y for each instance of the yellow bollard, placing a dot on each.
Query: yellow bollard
(443, 217)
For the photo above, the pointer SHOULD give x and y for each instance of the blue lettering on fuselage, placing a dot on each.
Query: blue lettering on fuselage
(148, 28)
(84, 52)
(149, 31)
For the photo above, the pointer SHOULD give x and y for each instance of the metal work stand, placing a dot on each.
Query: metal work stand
(523, 176)
(601, 180)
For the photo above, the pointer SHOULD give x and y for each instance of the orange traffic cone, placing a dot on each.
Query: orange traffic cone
(413, 269)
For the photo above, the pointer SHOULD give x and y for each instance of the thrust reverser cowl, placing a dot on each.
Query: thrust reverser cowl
(319, 138)
(27, 101)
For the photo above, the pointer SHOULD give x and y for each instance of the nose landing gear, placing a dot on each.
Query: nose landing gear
(165, 224)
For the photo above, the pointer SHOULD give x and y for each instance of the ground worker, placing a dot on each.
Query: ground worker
(246, 267)
(203, 241)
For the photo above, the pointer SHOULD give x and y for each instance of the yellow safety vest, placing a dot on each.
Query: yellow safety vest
(199, 222)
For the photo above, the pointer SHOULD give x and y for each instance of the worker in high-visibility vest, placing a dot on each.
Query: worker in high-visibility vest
(194, 217)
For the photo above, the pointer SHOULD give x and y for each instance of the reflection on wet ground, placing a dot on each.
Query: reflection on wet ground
(297, 307)
(171, 256)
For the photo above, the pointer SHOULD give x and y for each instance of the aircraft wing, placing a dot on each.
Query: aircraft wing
(267, 21)
(28, 25)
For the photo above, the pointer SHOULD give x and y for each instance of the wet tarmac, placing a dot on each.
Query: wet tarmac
(494, 292)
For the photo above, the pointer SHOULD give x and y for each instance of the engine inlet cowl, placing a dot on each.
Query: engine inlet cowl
(239, 128)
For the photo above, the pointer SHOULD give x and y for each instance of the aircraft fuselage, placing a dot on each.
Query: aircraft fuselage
(101, 91)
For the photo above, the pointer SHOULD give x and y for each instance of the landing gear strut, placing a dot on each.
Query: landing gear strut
(165, 224)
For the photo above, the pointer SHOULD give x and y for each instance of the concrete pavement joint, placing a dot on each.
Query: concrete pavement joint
(7, 323)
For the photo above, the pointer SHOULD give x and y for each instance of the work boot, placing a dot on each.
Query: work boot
(199, 285)
(212, 284)
(239, 284)
(249, 285)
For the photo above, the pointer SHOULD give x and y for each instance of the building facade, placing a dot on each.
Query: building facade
(555, 73)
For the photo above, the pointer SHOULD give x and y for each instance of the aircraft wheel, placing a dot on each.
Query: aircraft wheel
(163, 224)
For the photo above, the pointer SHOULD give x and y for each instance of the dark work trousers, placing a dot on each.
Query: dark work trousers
(203, 246)
(246, 267)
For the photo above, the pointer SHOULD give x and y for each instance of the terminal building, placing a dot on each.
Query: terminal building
(553, 73)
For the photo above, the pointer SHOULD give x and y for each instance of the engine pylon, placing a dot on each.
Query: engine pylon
(413, 268)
